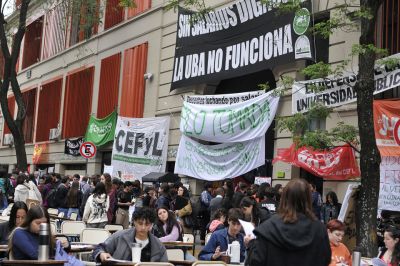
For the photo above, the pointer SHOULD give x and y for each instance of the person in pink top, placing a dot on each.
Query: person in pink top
(340, 254)
(391, 253)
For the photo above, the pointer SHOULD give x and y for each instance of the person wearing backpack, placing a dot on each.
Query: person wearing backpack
(61, 196)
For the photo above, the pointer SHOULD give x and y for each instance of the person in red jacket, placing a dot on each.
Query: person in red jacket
(340, 253)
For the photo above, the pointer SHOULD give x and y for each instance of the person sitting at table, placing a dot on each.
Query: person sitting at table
(24, 240)
(166, 227)
(17, 216)
(217, 221)
(391, 253)
(340, 253)
(220, 239)
(118, 245)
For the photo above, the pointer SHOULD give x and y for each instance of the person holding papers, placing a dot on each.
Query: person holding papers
(340, 253)
(292, 237)
(218, 243)
(118, 245)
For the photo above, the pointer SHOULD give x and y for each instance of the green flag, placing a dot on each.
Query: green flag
(101, 131)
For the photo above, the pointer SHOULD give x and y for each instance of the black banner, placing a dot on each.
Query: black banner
(72, 146)
(239, 39)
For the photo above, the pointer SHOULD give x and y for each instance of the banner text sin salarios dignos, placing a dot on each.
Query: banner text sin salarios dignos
(239, 39)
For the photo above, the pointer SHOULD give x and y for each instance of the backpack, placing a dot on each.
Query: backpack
(51, 198)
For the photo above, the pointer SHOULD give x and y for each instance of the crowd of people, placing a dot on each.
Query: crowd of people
(292, 225)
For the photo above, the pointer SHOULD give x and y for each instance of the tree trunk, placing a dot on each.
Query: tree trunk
(10, 78)
(369, 154)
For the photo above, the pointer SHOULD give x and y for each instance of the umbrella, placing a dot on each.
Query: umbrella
(161, 177)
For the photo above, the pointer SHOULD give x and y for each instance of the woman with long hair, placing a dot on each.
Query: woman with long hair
(95, 213)
(166, 227)
(252, 212)
(17, 216)
(391, 253)
(294, 236)
(331, 208)
(340, 253)
(24, 240)
(74, 199)
(182, 208)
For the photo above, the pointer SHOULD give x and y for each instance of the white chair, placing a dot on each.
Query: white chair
(73, 216)
(72, 229)
(53, 228)
(154, 264)
(189, 238)
(209, 263)
(52, 211)
(61, 215)
(207, 238)
(113, 227)
(94, 235)
(175, 254)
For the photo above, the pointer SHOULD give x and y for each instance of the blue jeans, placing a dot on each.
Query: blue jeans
(3, 202)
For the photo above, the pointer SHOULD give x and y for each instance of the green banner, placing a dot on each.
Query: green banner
(101, 131)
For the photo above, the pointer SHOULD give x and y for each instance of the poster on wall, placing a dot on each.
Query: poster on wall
(389, 193)
(387, 126)
(235, 40)
(235, 122)
(217, 162)
(71, 146)
(101, 131)
(140, 146)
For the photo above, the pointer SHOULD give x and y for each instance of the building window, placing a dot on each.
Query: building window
(387, 36)
(29, 98)
(84, 22)
(48, 109)
(11, 107)
(54, 31)
(317, 124)
(32, 43)
(77, 102)
(141, 6)
(109, 84)
(133, 83)
(114, 14)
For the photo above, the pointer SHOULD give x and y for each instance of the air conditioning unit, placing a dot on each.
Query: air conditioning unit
(54, 134)
(8, 139)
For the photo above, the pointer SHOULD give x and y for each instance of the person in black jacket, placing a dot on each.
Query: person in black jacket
(292, 237)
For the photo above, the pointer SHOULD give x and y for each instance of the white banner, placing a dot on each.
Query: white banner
(339, 91)
(222, 99)
(229, 123)
(140, 146)
(389, 193)
(217, 162)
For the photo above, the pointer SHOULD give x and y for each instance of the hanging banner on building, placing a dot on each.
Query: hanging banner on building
(387, 126)
(389, 193)
(338, 91)
(72, 146)
(239, 39)
(229, 123)
(101, 131)
(140, 146)
(217, 162)
(336, 164)
(222, 99)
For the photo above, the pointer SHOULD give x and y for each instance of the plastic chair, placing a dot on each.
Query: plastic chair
(175, 254)
(112, 228)
(209, 263)
(53, 228)
(52, 211)
(207, 238)
(190, 239)
(94, 235)
(73, 229)
(154, 264)
(73, 216)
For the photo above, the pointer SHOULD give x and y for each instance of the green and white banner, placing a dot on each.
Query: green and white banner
(140, 146)
(101, 131)
(225, 122)
(217, 162)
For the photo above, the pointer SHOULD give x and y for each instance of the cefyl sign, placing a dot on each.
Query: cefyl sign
(242, 38)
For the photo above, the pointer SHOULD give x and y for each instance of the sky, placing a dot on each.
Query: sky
(9, 8)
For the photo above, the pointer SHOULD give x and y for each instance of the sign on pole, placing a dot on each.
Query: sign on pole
(88, 150)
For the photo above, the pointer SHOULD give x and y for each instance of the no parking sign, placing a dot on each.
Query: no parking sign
(87, 150)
